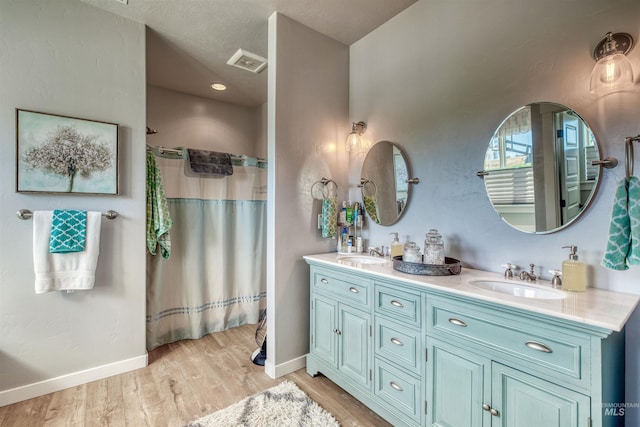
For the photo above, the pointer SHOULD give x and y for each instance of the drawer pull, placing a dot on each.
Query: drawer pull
(538, 346)
(457, 322)
(396, 386)
(323, 280)
(354, 290)
(396, 341)
(397, 304)
(337, 332)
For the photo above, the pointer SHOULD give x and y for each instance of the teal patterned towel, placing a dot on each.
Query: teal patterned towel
(329, 217)
(618, 246)
(634, 220)
(158, 217)
(68, 231)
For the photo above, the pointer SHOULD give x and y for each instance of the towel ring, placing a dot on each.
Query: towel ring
(363, 185)
(628, 157)
(326, 188)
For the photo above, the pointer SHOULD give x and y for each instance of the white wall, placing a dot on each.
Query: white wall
(189, 121)
(68, 58)
(307, 116)
(439, 78)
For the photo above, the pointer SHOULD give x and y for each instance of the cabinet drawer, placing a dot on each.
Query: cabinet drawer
(398, 344)
(398, 304)
(354, 290)
(546, 348)
(399, 390)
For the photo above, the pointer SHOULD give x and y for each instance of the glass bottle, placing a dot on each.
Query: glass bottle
(433, 248)
(412, 253)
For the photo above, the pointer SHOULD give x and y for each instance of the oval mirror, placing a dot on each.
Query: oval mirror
(385, 183)
(537, 168)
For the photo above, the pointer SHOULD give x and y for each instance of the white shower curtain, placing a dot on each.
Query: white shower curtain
(215, 276)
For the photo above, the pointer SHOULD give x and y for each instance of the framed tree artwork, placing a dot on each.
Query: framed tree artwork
(59, 154)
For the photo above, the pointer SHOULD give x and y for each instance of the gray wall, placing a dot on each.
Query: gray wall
(439, 78)
(67, 58)
(307, 115)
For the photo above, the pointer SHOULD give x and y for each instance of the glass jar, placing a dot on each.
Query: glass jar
(433, 248)
(411, 253)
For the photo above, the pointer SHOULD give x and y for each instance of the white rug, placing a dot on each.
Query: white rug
(282, 405)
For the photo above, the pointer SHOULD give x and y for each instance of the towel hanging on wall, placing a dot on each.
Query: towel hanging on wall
(210, 162)
(64, 271)
(158, 217)
(634, 220)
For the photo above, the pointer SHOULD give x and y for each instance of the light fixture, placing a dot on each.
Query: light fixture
(354, 142)
(612, 71)
(218, 86)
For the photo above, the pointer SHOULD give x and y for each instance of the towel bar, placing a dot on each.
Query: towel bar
(27, 214)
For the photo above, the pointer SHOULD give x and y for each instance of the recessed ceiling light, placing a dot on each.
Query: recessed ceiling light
(218, 86)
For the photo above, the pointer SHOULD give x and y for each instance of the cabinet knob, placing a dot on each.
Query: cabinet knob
(354, 290)
(534, 345)
(457, 322)
(323, 280)
(396, 386)
(337, 332)
(396, 341)
(494, 412)
(486, 407)
(397, 303)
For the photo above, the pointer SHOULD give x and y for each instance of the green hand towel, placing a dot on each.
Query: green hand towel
(615, 256)
(329, 217)
(158, 217)
(371, 206)
(634, 220)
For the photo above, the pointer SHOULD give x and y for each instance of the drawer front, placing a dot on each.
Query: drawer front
(398, 344)
(541, 347)
(347, 289)
(398, 390)
(398, 304)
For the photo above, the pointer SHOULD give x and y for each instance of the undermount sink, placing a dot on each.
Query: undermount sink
(518, 289)
(362, 259)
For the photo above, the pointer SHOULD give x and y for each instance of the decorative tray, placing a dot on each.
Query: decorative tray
(450, 267)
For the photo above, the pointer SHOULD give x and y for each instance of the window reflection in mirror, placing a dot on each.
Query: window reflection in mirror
(538, 164)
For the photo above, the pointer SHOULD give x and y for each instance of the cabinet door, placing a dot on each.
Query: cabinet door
(323, 326)
(353, 349)
(526, 401)
(457, 388)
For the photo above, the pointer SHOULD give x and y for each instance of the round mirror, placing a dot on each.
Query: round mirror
(537, 168)
(385, 183)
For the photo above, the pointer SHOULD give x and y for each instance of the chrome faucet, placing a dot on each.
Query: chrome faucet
(530, 276)
(375, 251)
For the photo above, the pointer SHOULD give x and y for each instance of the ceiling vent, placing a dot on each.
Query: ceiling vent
(248, 61)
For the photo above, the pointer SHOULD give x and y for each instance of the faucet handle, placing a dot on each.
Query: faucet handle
(556, 281)
(508, 272)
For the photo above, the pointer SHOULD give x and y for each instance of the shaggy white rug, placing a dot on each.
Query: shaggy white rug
(282, 405)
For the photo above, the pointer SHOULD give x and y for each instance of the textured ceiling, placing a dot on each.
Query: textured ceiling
(190, 41)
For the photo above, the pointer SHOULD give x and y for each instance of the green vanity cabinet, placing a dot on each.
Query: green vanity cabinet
(435, 352)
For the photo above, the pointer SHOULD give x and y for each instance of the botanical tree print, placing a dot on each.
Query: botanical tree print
(68, 152)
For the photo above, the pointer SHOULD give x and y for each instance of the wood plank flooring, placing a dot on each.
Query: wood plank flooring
(184, 381)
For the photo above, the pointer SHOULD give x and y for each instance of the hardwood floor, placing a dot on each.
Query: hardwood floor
(184, 381)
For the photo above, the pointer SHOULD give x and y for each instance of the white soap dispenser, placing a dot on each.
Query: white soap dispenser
(396, 246)
(573, 272)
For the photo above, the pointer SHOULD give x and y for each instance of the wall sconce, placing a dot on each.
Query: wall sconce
(612, 71)
(354, 142)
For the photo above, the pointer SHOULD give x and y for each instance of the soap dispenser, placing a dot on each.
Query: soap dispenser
(396, 246)
(573, 272)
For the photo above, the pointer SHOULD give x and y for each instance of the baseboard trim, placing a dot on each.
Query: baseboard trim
(276, 371)
(30, 391)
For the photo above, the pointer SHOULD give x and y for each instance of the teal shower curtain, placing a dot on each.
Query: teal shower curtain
(215, 276)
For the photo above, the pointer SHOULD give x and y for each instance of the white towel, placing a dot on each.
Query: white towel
(64, 271)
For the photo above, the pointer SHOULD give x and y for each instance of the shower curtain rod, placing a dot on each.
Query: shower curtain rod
(238, 158)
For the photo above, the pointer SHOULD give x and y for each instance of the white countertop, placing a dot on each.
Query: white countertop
(596, 307)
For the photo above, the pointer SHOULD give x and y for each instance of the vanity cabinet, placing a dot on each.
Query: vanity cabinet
(420, 355)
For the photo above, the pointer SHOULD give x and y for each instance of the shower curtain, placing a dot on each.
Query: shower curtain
(215, 278)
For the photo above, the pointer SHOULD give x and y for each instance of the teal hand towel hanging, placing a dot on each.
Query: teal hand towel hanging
(634, 220)
(68, 231)
(618, 245)
(329, 217)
